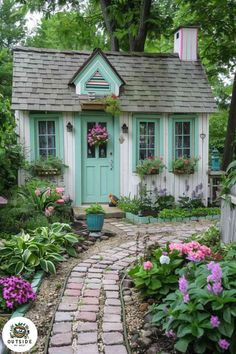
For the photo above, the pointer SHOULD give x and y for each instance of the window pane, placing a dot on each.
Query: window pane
(51, 152)
(147, 141)
(178, 128)
(43, 152)
(42, 142)
(52, 142)
(186, 152)
(47, 138)
(151, 128)
(91, 151)
(42, 127)
(178, 141)
(186, 141)
(103, 151)
(186, 128)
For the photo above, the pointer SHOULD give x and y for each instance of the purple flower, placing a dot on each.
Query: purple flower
(217, 288)
(215, 322)
(223, 344)
(15, 291)
(170, 334)
(183, 285)
(186, 298)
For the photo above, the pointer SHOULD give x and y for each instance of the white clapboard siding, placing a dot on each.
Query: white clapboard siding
(175, 185)
(228, 218)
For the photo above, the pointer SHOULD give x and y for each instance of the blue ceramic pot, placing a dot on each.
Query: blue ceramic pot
(95, 222)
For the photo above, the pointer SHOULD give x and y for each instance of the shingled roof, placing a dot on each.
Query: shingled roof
(154, 82)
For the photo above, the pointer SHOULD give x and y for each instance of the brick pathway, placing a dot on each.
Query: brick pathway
(89, 316)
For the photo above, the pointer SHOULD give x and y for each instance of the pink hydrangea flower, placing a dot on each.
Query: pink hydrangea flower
(223, 344)
(60, 190)
(215, 322)
(147, 265)
(60, 201)
(37, 192)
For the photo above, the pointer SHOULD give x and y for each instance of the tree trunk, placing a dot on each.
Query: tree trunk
(137, 43)
(110, 24)
(231, 131)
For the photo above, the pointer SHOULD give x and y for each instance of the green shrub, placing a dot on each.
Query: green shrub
(165, 202)
(188, 203)
(129, 205)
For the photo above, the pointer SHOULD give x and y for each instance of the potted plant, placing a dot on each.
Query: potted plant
(150, 166)
(184, 165)
(51, 166)
(95, 217)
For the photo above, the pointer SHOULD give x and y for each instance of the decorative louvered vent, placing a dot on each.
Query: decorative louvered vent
(97, 82)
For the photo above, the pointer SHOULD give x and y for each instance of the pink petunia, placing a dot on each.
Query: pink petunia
(60, 201)
(60, 190)
(37, 192)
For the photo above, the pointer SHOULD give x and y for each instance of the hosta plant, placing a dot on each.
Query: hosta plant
(201, 314)
(43, 249)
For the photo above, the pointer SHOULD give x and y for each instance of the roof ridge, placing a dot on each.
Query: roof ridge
(89, 52)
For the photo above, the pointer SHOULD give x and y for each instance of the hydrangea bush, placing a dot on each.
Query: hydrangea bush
(15, 291)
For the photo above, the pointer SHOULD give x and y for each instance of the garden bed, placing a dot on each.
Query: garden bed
(186, 291)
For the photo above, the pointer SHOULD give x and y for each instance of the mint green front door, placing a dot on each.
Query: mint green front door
(97, 162)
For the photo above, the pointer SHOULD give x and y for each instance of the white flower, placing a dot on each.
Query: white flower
(164, 259)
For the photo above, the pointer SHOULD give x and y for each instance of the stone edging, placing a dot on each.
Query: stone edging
(151, 220)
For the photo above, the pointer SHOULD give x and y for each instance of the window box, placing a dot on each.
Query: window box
(183, 172)
(47, 172)
(92, 105)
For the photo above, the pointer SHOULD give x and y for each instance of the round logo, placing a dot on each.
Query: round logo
(19, 334)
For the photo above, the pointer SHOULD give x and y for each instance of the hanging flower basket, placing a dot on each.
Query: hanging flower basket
(97, 135)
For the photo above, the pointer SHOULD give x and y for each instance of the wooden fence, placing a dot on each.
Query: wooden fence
(228, 218)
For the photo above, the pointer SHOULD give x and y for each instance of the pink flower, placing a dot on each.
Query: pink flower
(223, 344)
(170, 334)
(186, 298)
(60, 201)
(147, 265)
(60, 190)
(176, 246)
(51, 208)
(37, 192)
(215, 322)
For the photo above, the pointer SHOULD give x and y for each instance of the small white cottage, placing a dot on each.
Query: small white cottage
(165, 102)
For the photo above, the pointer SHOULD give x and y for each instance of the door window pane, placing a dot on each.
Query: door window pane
(182, 139)
(146, 143)
(47, 138)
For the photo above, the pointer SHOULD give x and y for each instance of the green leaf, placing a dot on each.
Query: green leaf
(44, 265)
(199, 347)
(226, 329)
(182, 344)
(155, 284)
(26, 255)
(183, 330)
(71, 238)
(227, 315)
(19, 267)
(197, 331)
(71, 251)
(51, 267)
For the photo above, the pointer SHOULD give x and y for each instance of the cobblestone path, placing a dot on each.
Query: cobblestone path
(89, 317)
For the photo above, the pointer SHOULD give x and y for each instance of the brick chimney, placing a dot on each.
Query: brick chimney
(186, 42)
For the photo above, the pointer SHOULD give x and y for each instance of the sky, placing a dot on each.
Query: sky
(32, 20)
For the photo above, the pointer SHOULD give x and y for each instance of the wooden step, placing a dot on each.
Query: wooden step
(111, 212)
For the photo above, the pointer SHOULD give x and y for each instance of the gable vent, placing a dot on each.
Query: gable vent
(97, 82)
